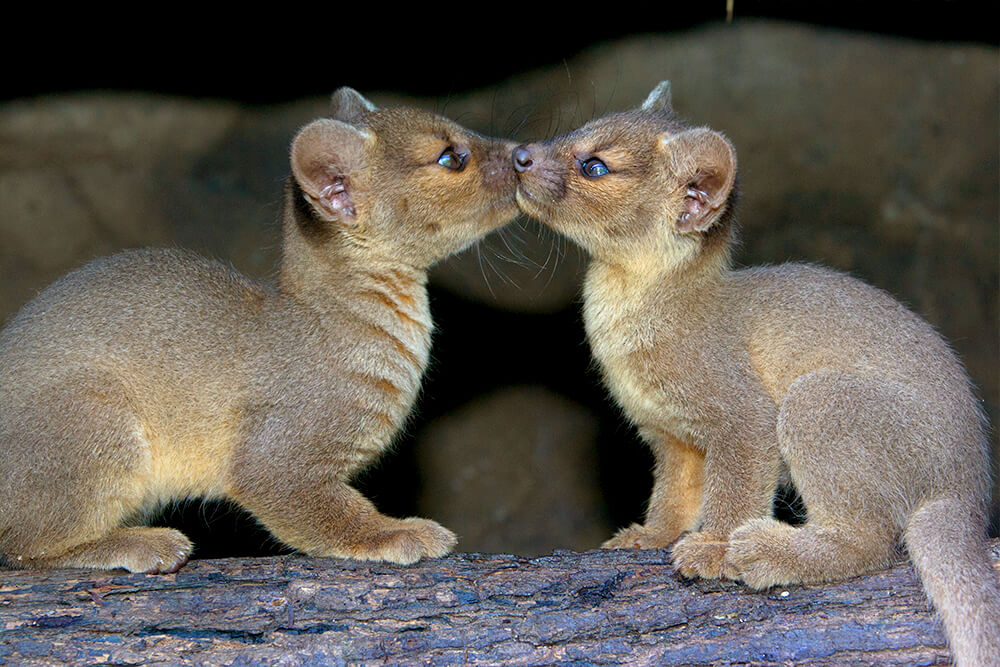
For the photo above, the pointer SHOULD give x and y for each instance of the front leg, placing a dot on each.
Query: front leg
(302, 501)
(741, 475)
(675, 503)
(335, 520)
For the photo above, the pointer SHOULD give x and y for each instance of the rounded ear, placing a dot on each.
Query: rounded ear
(324, 155)
(705, 164)
(349, 106)
(658, 99)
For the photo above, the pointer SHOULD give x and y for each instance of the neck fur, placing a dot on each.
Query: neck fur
(320, 262)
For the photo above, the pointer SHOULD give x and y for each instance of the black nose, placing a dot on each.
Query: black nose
(522, 158)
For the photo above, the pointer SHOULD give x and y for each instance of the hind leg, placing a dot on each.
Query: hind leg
(766, 552)
(842, 437)
(76, 465)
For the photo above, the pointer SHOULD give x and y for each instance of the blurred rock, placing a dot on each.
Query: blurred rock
(514, 472)
(79, 177)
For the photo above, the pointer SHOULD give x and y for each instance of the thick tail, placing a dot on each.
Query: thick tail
(946, 538)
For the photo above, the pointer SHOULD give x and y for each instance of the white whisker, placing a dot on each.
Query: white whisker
(479, 256)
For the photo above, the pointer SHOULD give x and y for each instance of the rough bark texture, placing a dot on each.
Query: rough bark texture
(598, 607)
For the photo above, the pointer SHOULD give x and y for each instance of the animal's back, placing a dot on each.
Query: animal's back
(799, 318)
(154, 308)
(158, 340)
(804, 319)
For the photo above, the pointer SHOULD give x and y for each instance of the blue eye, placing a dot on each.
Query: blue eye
(594, 168)
(451, 160)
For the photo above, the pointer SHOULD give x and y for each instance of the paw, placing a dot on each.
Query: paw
(149, 550)
(638, 536)
(701, 555)
(759, 553)
(406, 541)
(144, 550)
(435, 538)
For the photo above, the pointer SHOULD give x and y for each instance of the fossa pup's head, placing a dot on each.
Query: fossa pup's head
(400, 182)
(633, 184)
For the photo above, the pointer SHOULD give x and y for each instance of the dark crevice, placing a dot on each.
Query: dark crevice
(244, 636)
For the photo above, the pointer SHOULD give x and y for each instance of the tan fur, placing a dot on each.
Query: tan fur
(154, 375)
(741, 380)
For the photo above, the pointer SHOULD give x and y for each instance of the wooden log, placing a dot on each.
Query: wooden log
(597, 607)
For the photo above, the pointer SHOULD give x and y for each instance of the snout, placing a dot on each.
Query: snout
(523, 159)
(541, 182)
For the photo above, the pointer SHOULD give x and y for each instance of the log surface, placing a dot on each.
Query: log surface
(597, 607)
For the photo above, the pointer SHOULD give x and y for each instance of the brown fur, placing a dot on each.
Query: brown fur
(154, 375)
(741, 380)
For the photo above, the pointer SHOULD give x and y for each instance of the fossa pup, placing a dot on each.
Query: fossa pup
(742, 379)
(154, 375)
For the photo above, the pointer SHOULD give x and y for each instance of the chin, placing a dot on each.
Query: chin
(530, 206)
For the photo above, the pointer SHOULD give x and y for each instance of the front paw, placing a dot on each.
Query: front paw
(406, 541)
(701, 555)
(638, 536)
(435, 539)
(760, 554)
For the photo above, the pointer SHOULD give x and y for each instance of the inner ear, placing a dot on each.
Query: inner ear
(325, 155)
(704, 162)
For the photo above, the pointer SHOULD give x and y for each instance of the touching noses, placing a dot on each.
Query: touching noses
(522, 159)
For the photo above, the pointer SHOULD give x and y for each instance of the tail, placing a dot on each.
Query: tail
(946, 539)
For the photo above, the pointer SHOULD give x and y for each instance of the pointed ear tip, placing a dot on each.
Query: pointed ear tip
(659, 98)
(349, 105)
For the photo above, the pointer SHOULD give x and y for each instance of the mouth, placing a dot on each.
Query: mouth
(527, 201)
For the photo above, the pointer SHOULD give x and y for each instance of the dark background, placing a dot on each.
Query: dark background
(281, 54)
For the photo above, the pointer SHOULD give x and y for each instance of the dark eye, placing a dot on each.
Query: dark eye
(451, 160)
(594, 168)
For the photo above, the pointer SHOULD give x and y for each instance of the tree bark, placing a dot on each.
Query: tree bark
(597, 607)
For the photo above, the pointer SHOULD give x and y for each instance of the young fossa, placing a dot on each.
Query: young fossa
(155, 375)
(742, 380)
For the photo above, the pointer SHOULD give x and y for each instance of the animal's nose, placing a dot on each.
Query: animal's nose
(522, 159)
